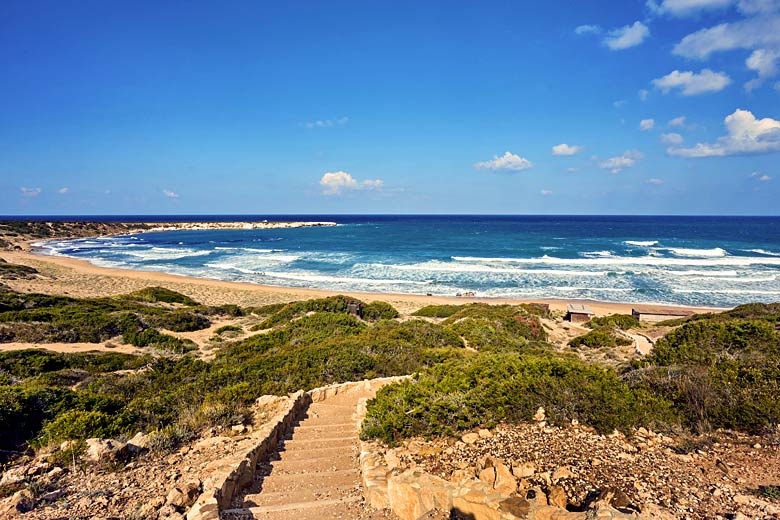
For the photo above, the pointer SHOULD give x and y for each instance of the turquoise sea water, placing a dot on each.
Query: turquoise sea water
(709, 261)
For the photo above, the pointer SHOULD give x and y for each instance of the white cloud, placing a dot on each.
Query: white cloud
(750, 33)
(766, 63)
(677, 121)
(565, 149)
(508, 161)
(681, 8)
(621, 162)
(620, 103)
(336, 183)
(587, 29)
(691, 84)
(170, 194)
(327, 123)
(761, 177)
(646, 124)
(671, 138)
(744, 135)
(643, 93)
(655, 181)
(546, 193)
(30, 192)
(627, 36)
(63, 190)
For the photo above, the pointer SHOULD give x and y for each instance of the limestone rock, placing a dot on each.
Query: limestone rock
(540, 415)
(20, 502)
(556, 496)
(105, 450)
(560, 473)
(523, 469)
(183, 495)
(470, 438)
(484, 434)
(505, 482)
(139, 443)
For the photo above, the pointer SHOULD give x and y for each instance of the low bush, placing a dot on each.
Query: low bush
(160, 295)
(375, 311)
(604, 336)
(228, 329)
(486, 389)
(621, 321)
(437, 311)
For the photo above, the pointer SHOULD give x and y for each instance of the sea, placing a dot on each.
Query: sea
(697, 261)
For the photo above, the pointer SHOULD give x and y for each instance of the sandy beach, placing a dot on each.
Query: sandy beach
(76, 277)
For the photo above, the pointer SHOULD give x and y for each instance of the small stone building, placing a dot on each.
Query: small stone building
(654, 315)
(578, 313)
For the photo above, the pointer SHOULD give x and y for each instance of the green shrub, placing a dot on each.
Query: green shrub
(228, 328)
(78, 424)
(486, 389)
(181, 321)
(158, 295)
(604, 336)
(437, 311)
(621, 321)
(375, 311)
(497, 328)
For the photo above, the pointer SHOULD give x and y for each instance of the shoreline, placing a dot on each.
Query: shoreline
(78, 277)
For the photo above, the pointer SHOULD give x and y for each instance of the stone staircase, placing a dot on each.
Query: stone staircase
(314, 473)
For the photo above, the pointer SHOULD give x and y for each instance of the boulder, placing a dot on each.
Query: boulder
(470, 438)
(184, 494)
(505, 482)
(139, 443)
(105, 450)
(15, 475)
(561, 472)
(556, 496)
(20, 502)
(523, 469)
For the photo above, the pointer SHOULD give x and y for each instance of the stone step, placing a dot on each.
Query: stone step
(322, 442)
(266, 498)
(314, 507)
(314, 453)
(321, 433)
(347, 424)
(321, 480)
(317, 465)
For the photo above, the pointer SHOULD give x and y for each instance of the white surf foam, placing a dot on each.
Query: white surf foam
(641, 243)
(628, 260)
(762, 252)
(306, 277)
(164, 253)
(448, 267)
(597, 254)
(699, 253)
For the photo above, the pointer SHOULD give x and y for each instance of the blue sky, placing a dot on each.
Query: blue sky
(663, 107)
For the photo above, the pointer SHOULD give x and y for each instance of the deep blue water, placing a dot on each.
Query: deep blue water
(711, 261)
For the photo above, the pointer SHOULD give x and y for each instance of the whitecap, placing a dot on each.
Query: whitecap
(641, 243)
(762, 252)
(706, 253)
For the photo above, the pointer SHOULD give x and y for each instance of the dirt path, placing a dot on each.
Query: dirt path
(642, 343)
(315, 473)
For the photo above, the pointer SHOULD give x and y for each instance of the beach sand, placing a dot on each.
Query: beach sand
(79, 278)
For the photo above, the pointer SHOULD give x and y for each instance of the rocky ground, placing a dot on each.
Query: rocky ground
(720, 476)
(123, 481)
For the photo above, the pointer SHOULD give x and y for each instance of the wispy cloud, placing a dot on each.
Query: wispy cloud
(587, 29)
(671, 138)
(337, 183)
(762, 177)
(655, 181)
(690, 84)
(683, 8)
(327, 123)
(744, 135)
(63, 190)
(30, 192)
(627, 36)
(565, 149)
(677, 121)
(170, 194)
(546, 193)
(507, 162)
(646, 124)
(619, 163)
(642, 94)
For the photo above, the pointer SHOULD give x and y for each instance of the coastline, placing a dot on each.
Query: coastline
(77, 277)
